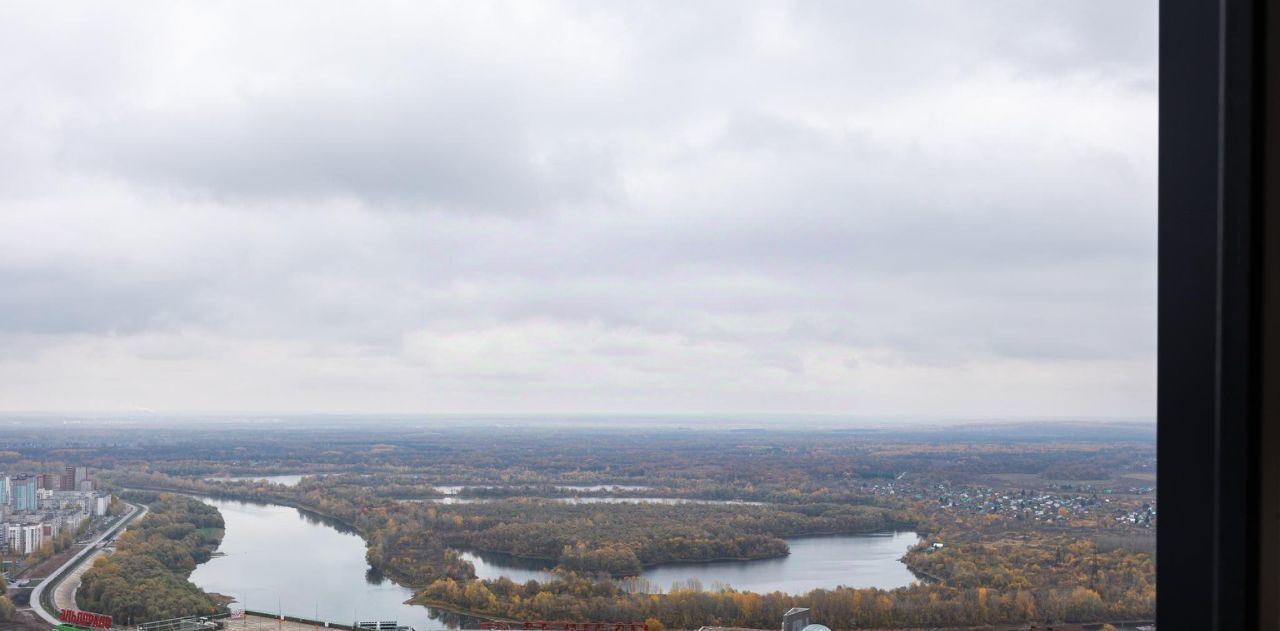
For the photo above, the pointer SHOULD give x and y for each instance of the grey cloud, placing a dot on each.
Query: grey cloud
(810, 202)
(1040, 38)
(61, 301)
(467, 155)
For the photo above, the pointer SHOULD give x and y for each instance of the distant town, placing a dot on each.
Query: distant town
(1065, 503)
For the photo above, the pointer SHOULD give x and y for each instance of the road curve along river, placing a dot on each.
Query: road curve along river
(37, 595)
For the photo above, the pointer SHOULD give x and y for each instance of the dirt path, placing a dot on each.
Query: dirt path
(25, 620)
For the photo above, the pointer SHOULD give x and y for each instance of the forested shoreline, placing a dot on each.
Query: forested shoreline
(415, 543)
(921, 605)
(614, 539)
(623, 539)
(147, 577)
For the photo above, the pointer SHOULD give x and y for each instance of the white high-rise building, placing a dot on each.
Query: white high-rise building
(32, 537)
(24, 538)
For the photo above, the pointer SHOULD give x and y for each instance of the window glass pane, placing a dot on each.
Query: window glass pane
(681, 314)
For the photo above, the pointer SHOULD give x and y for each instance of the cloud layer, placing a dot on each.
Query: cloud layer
(915, 208)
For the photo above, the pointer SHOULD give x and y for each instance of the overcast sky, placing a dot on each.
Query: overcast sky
(940, 209)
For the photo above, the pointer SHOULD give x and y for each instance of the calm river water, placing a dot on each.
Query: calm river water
(282, 480)
(275, 557)
(849, 560)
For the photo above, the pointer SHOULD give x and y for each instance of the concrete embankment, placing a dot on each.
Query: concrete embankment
(263, 621)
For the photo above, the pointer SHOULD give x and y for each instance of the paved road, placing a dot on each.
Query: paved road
(64, 596)
(263, 623)
(135, 512)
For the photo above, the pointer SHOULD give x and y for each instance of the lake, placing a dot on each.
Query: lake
(602, 487)
(282, 480)
(453, 499)
(850, 560)
(280, 558)
(652, 500)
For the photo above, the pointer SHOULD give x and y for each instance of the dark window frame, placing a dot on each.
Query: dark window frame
(1218, 391)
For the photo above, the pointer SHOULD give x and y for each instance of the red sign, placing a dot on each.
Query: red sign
(85, 619)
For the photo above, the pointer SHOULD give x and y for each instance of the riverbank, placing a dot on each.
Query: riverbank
(390, 573)
(272, 558)
(241, 498)
(423, 601)
(688, 535)
(266, 567)
(259, 560)
(276, 561)
(39, 594)
(648, 566)
(865, 560)
(550, 563)
(408, 582)
(146, 577)
(547, 563)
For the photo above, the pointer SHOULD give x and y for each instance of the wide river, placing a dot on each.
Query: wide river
(279, 558)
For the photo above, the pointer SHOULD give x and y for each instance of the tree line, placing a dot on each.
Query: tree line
(1036, 576)
(146, 578)
(621, 539)
(920, 605)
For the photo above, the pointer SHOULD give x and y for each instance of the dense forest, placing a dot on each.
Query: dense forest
(1025, 576)
(921, 605)
(1024, 519)
(621, 539)
(764, 465)
(146, 578)
(414, 541)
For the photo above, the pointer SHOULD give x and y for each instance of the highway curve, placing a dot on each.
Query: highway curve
(136, 511)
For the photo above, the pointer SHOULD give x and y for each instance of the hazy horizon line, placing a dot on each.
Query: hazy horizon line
(859, 419)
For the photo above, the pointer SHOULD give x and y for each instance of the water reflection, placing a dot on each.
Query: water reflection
(583, 500)
(316, 519)
(493, 565)
(815, 562)
(282, 480)
(455, 489)
(302, 563)
(602, 487)
(276, 558)
(652, 500)
(450, 499)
